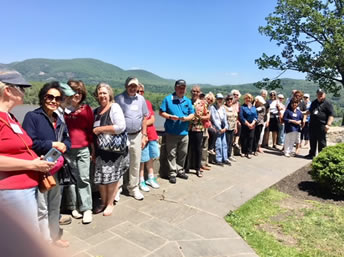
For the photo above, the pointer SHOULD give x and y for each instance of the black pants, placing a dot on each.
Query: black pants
(305, 132)
(212, 138)
(246, 139)
(229, 139)
(195, 150)
(317, 136)
(257, 132)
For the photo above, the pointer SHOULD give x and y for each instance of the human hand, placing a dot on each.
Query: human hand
(97, 130)
(173, 117)
(41, 165)
(144, 141)
(60, 146)
(327, 127)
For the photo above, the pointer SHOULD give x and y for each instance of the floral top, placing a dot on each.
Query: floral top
(232, 117)
(201, 109)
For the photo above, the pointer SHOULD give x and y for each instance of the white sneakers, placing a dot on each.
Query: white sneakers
(143, 186)
(153, 183)
(136, 194)
(86, 216)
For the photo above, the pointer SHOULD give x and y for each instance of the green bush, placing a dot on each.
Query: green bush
(328, 168)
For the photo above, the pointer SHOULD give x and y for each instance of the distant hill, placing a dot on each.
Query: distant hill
(91, 71)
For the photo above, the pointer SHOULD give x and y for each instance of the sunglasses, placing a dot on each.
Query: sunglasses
(20, 89)
(140, 91)
(236, 94)
(50, 98)
(195, 91)
(229, 99)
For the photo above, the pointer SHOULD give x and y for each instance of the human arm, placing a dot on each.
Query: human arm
(8, 164)
(329, 123)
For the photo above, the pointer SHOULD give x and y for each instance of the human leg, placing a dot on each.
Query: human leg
(135, 158)
(171, 149)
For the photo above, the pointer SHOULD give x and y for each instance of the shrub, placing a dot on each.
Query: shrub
(328, 168)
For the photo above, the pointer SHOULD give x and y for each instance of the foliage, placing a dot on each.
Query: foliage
(328, 168)
(311, 33)
(272, 230)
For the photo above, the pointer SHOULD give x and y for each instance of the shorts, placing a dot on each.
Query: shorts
(151, 151)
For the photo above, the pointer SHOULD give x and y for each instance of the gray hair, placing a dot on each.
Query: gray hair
(263, 91)
(108, 88)
(236, 91)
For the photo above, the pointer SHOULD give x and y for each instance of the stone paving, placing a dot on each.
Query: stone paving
(185, 219)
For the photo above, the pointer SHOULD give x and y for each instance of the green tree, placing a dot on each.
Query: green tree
(311, 34)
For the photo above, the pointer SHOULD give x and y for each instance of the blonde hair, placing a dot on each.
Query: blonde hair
(248, 95)
(140, 85)
(211, 96)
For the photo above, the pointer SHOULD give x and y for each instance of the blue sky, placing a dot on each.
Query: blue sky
(201, 41)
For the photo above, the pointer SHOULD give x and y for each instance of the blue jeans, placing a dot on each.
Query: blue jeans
(22, 202)
(281, 134)
(49, 212)
(221, 147)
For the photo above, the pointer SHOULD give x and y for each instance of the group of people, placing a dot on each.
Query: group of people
(205, 129)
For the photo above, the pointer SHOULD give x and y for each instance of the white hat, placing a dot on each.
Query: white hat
(306, 95)
(219, 96)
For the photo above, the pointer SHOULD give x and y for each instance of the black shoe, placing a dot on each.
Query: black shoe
(309, 157)
(219, 164)
(182, 175)
(227, 162)
(173, 180)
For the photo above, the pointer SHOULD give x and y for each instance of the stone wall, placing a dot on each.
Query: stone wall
(335, 135)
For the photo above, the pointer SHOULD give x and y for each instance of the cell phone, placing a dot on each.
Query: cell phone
(52, 155)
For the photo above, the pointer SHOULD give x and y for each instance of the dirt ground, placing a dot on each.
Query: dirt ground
(301, 186)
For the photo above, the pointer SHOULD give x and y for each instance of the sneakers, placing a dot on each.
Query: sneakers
(153, 183)
(87, 218)
(65, 220)
(118, 195)
(212, 152)
(136, 194)
(173, 180)
(182, 175)
(287, 155)
(227, 162)
(143, 186)
(232, 159)
(76, 214)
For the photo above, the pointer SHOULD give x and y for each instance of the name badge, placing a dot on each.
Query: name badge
(134, 107)
(96, 123)
(16, 128)
(316, 112)
(294, 115)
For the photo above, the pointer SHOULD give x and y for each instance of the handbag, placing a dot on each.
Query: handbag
(66, 175)
(46, 180)
(116, 143)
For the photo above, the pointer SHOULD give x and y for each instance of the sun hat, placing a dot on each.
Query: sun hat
(67, 90)
(13, 77)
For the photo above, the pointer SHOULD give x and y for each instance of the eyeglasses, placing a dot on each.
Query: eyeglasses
(236, 94)
(229, 99)
(305, 97)
(140, 91)
(50, 98)
(195, 91)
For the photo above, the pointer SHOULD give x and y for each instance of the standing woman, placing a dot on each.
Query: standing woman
(259, 103)
(79, 119)
(219, 121)
(232, 118)
(248, 117)
(45, 127)
(109, 166)
(20, 167)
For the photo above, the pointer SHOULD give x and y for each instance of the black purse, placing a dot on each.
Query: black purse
(65, 175)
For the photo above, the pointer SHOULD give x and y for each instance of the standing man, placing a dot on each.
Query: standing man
(177, 109)
(135, 113)
(321, 118)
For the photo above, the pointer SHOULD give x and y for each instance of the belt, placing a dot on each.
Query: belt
(134, 133)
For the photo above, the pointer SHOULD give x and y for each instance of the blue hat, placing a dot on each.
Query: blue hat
(67, 90)
(14, 78)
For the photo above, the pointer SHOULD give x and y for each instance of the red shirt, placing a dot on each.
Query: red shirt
(80, 126)
(11, 145)
(151, 131)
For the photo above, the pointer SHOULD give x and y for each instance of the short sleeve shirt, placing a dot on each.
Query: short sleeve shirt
(180, 107)
(134, 109)
(151, 131)
(201, 109)
(320, 112)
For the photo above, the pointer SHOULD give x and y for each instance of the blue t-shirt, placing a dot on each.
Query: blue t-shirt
(290, 115)
(180, 107)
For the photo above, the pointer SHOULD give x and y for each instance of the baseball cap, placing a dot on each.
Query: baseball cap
(131, 81)
(67, 90)
(306, 95)
(13, 77)
(219, 96)
(320, 90)
(180, 82)
(280, 96)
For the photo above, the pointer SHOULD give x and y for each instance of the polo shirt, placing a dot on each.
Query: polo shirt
(180, 107)
(134, 109)
(320, 112)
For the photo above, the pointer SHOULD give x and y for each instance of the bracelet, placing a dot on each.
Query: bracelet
(145, 135)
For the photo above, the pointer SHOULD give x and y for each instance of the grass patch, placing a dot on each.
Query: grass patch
(275, 224)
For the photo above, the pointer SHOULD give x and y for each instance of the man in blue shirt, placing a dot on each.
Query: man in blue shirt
(178, 110)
